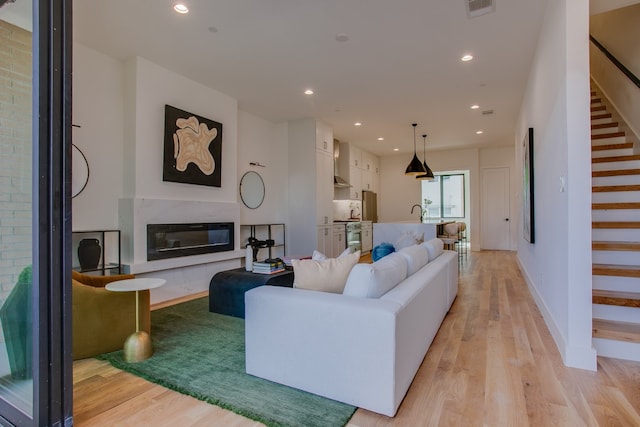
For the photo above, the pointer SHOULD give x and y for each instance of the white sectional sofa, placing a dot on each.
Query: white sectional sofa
(364, 351)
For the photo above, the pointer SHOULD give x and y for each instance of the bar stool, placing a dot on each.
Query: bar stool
(450, 236)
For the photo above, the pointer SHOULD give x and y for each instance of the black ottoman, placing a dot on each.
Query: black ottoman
(227, 288)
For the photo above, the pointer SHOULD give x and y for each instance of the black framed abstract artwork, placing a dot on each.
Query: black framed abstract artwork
(192, 148)
(527, 190)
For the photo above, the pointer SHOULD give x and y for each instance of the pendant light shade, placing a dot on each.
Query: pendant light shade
(415, 167)
(428, 175)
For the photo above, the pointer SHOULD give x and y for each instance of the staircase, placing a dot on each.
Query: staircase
(615, 236)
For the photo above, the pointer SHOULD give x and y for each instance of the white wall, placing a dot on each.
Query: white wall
(619, 32)
(556, 104)
(98, 96)
(266, 143)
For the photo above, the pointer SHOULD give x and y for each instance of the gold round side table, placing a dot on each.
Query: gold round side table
(137, 347)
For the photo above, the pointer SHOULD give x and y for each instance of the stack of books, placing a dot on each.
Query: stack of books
(268, 267)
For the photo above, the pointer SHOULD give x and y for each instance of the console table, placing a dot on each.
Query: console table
(227, 288)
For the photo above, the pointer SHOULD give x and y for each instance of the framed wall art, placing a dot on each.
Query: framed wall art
(527, 190)
(192, 148)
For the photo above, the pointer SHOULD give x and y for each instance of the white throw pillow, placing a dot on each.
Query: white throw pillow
(408, 238)
(416, 256)
(329, 275)
(319, 256)
(434, 248)
(375, 280)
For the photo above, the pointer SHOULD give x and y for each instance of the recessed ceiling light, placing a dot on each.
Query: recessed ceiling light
(181, 8)
(396, 149)
(357, 124)
(308, 92)
(380, 138)
(466, 58)
(479, 132)
(475, 107)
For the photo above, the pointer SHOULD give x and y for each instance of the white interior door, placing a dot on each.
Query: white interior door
(496, 218)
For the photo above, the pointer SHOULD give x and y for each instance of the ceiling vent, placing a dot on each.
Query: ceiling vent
(487, 113)
(477, 8)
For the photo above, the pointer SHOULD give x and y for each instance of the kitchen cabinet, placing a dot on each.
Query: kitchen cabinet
(325, 239)
(310, 186)
(324, 187)
(339, 240)
(367, 236)
(363, 172)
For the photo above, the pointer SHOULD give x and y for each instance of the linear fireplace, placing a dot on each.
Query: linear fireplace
(178, 240)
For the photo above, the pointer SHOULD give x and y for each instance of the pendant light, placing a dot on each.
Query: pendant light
(415, 167)
(428, 176)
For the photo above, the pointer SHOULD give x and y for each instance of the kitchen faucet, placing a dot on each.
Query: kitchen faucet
(421, 211)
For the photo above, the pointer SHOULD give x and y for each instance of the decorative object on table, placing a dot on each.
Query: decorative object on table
(425, 209)
(415, 167)
(89, 252)
(192, 148)
(269, 266)
(527, 191)
(248, 258)
(428, 175)
(252, 190)
(258, 244)
(382, 250)
(79, 171)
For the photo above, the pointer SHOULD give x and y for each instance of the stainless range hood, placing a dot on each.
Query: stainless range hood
(338, 181)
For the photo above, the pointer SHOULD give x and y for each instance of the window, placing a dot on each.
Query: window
(444, 196)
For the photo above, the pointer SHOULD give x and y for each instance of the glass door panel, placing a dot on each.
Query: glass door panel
(16, 255)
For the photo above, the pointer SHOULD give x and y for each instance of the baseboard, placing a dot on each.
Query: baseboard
(572, 356)
(175, 301)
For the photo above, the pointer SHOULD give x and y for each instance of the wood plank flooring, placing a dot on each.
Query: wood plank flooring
(493, 363)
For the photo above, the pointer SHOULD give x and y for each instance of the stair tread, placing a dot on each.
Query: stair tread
(614, 188)
(598, 108)
(615, 270)
(608, 135)
(630, 157)
(604, 125)
(616, 224)
(616, 205)
(606, 147)
(596, 100)
(618, 172)
(620, 331)
(613, 246)
(616, 294)
(601, 116)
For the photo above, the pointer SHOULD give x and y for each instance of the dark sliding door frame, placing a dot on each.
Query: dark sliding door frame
(52, 360)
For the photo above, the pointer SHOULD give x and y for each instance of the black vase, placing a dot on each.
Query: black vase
(89, 251)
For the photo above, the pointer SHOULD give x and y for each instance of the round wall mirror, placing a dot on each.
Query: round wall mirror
(252, 190)
(79, 171)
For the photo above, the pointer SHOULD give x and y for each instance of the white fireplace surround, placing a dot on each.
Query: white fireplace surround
(184, 275)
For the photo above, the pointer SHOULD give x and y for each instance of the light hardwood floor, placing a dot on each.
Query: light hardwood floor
(493, 363)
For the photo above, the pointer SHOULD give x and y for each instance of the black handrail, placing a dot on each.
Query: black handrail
(617, 63)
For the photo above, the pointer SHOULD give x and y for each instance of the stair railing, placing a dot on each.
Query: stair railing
(615, 61)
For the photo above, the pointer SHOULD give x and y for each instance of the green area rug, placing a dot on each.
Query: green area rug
(201, 354)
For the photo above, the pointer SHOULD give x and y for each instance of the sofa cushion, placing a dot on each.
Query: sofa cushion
(374, 280)
(416, 256)
(381, 251)
(408, 238)
(434, 248)
(329, 275)
(319, 256)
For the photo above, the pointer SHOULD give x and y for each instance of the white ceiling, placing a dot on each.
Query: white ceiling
(400, 65)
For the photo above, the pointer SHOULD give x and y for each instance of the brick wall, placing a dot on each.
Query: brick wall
(15, 154)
